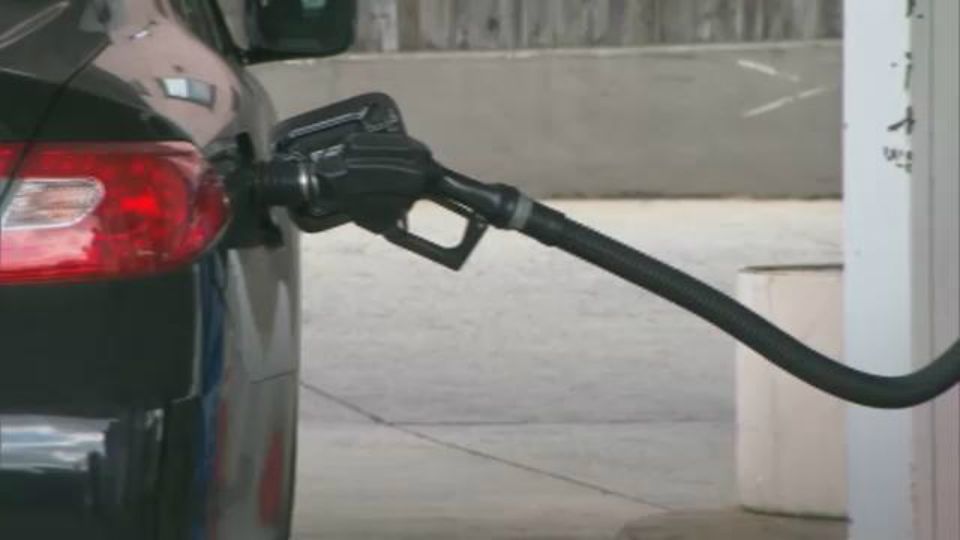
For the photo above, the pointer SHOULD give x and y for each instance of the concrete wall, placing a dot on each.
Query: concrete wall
(407, 25)
(754, 120)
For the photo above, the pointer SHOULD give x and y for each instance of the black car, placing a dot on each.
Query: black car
(149, 302)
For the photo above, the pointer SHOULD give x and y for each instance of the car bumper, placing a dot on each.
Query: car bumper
(80, 477)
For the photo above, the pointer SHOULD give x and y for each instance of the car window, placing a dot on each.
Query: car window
(199, 17)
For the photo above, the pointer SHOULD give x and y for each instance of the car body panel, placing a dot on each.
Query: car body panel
(33, 65)
(210, 350)
(78, 477)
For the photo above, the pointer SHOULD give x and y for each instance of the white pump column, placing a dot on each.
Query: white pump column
(902, 290)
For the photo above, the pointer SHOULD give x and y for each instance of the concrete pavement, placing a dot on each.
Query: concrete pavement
(528, 396)
(731, 525)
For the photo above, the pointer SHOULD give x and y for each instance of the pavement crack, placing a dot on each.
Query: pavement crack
(450, 445)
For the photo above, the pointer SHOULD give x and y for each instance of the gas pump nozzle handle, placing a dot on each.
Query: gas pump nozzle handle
(378, 177)
(373, 180)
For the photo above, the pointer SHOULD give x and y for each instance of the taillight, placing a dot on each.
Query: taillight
(81, 211)
(9, 152)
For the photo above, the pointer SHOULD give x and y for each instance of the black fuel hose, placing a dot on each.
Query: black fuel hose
(506, 207)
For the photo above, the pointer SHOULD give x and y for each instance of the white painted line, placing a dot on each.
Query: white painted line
(769, 107)
(784, 101)
(813, 92)
(767, 69)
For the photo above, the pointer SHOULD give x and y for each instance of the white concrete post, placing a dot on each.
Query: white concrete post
(791, 437)
(877, 299)
(935, 89)
(902, 258)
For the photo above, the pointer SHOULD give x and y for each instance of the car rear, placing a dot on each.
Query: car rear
(111, 299)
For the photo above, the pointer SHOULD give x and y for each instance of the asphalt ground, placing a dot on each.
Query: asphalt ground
(529, 395)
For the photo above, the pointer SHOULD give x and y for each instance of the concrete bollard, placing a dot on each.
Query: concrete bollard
(791, 438)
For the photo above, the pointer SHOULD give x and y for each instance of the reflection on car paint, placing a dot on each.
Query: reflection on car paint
(90, 460)
(37, 443)
(188, 89)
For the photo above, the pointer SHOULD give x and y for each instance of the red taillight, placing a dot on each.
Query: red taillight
(9, 152)
(82, 211)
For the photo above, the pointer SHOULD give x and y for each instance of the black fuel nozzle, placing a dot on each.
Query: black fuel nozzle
(373, 180)
(378, 177)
